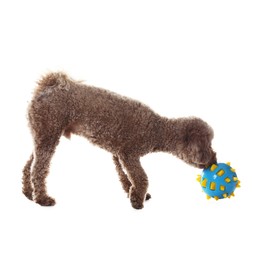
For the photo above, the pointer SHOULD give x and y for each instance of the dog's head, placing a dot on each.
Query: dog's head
(194, 142)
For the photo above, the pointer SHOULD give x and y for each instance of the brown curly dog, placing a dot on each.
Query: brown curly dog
(125, 127)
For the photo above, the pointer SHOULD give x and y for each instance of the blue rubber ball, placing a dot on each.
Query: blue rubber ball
(219, 181)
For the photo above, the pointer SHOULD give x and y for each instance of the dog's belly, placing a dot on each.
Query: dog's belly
(99, 135)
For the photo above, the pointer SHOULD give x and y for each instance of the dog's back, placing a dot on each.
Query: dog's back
(105, 118)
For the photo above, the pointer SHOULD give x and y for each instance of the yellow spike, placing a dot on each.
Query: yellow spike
(220, 173)
(228, 163)
(232, 194)
(227, 180)
(213, 167)
(235, 178)
(225, 195)
(212, 185)
(238, 184)
(204, 183)
(222, 187)
(198, 178)
(233, 170)
(229, 196)
(208, 197)
(216, 197)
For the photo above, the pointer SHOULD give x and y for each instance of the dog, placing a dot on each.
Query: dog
(125, 127)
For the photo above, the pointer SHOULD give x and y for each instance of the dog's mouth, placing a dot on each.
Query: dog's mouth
(204, 165)
(199, 165)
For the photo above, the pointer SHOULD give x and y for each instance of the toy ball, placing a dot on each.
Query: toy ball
(219, 181)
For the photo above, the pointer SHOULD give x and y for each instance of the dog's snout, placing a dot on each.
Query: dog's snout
(212, 160)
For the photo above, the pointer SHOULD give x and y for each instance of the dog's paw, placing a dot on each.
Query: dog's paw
(148, 196)
(28, 194)
(136, 203)
(136, 200)
(45, 201)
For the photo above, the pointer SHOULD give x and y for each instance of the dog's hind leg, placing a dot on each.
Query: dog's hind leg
(27, 184)
(138, 179)
(44, 150)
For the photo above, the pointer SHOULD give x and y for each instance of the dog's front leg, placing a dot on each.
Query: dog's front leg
(138, 179)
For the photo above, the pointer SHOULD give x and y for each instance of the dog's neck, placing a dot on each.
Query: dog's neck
(168, 135)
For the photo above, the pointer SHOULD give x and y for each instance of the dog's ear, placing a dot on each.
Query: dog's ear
(191, 138)
(202, 151)
(193, 143)
(198, 135)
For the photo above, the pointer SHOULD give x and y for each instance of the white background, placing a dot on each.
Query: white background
(181, 58)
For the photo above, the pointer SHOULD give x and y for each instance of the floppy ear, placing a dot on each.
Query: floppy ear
(191, 140)
(202, 151)
(195, 143)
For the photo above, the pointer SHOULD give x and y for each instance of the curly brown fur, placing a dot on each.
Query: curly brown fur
(125, 127)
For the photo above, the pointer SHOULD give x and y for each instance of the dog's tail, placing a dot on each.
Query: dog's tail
(126, 184)
(53, 80)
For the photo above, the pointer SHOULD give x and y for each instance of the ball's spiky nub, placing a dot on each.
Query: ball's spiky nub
(219, 181)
